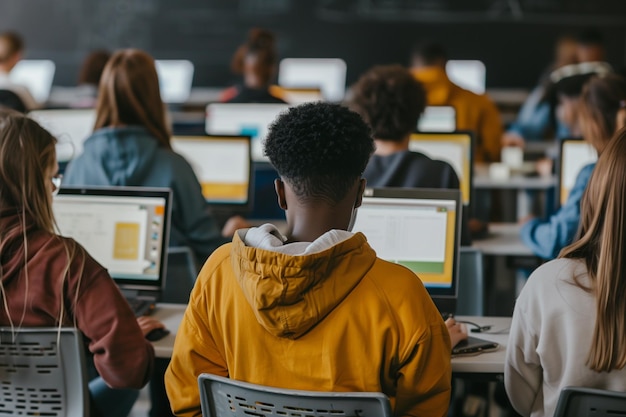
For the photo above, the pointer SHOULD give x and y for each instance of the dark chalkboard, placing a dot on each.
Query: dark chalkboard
(513, 37)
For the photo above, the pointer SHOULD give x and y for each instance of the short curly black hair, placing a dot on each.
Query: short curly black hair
(320, 149)
(391, 100)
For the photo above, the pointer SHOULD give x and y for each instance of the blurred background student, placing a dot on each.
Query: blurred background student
(13, 96)
(86, 93)
(256, 61)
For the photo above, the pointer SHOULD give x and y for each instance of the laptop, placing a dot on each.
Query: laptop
(223, 165)
(419, 228)
(126, 230)
(175, 79)
(70, 127)
(327, 74)
(295, 96)
(455, 148)
(470, 74)
(249, 119)
(36, 75)
(574, 155)
(437, 119)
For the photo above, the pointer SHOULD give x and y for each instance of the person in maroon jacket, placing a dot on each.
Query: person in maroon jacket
(49, 280)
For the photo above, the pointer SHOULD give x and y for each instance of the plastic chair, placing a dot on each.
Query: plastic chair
(470, 300)
(182, 270)
(582, 402)
(222, 397)
(12, 101)
(42, 372)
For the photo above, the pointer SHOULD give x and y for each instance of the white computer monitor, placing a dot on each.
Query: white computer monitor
(247, 119)
(36, 75)
(70, 126)
(327, 74)
(469, 74)
(575, 154)
(175, 79)
(437, 119)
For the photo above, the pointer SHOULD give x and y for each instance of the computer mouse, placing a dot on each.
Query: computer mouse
(157, 334)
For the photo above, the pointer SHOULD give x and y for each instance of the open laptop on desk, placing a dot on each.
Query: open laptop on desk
(175, 79)
(223, 166)
(437, 119)
(36, 75)
(126, 230)
(574, 155)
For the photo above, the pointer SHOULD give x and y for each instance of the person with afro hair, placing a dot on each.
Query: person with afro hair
(313, 309)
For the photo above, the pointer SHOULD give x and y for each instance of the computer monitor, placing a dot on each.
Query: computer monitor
(574, 155)
(437, 119)
(36, 75)
(328, 74)
(175, 79)
(295, 96)
(248, 119)
(222, 164)
(265, 205)
(419, 229)
(70, 127)
(125, 229)
(469, 74)
(455, 148)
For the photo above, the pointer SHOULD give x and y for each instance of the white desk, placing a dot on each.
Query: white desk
(485, 363)
(503, 239)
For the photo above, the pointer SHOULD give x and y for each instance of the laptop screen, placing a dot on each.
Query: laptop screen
(575, 154)
(70, 127)
(327, 74)
(249, 119)
(125, 229)
(175, 79)
(470, 74)
(454, 148)
(222, 165)
(36, 75)
(417, 228)
(437, 119)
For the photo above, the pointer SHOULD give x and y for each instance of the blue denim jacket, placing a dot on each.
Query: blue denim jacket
(547, 238)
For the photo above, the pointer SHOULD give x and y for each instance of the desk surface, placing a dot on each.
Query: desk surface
(485, 363)
(482, 180)
(503, 240)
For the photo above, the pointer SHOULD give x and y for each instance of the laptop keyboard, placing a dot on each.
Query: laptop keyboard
(140, 306)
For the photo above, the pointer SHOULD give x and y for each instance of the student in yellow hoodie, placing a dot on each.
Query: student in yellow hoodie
(474, 112)
(314, 309)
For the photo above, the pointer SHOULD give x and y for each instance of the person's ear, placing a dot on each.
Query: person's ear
(359, 195)
(279, 186)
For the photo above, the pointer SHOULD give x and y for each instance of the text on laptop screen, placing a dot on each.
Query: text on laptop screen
(437, 119)
(70, 127)
(417, 233)
(575, 154)
(453, 148)
(243, 119)
(124, 234)
(222, 165)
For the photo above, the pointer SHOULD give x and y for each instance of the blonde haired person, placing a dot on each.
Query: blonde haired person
(569, 324)
(11, 48)
(49, 280)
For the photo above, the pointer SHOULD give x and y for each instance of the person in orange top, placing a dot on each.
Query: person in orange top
(473, 111)
(314, 309)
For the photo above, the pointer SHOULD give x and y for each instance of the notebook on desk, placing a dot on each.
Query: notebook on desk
(126, 230)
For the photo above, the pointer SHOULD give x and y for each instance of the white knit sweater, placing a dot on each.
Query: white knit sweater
(550, 339)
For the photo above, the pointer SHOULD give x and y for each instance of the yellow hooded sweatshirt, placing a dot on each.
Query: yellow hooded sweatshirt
(334, 318)
(473, 111)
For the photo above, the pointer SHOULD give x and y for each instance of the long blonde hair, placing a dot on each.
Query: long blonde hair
(129, 95)
(602, 246)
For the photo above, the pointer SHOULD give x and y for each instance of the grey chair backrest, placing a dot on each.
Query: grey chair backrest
(470, 300)
(42, 372)
(182, 270)
(222, 397)
(579, 402)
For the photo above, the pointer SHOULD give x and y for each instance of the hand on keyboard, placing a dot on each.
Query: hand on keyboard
(458, 331)
(148, 324)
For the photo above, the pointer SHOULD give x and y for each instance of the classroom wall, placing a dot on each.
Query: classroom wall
(513, 38)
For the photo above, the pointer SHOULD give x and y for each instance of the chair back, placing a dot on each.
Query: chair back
(222, 397)
(11, 100)
(579, 402)
(42, 372)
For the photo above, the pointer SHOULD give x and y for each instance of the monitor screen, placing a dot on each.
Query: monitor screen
(70, 127)
(575, 154)
(469, 74)
(124, 229)
(175, 79)
(36, 75)
(437, 119)
(396, 223)
(453, 148)
(243, 119)
(327, 74)
(221, 164)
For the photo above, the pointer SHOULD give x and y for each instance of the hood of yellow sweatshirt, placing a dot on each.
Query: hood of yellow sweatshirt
(436, 83)
(290, 294)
